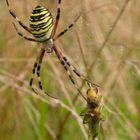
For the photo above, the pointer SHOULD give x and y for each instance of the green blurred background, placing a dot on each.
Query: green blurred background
(116, 69)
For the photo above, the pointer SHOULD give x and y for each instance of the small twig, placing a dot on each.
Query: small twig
(81, 49)
(108, 36)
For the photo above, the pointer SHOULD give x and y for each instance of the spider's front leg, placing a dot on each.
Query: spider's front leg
(17, 19)
(57, 17)
(67, 29)
(23, 36)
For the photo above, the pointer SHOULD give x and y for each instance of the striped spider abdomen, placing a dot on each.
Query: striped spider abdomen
(41, 23)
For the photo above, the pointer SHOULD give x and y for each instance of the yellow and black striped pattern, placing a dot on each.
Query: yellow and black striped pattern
(41, 24)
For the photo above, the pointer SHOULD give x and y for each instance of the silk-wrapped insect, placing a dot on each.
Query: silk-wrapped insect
(92, 114)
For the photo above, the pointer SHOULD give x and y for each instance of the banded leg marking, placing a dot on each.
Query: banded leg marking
(18, 20)
(36, 64)
(78, 73)
(59, 53)
(38, 69)
(32, 78)
(23, 36)
(64, 64)
(38, 74)
(67, 29)
(57, 17)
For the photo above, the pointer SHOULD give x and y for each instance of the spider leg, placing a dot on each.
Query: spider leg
(23, 36)
(40, 56)
(18, 20)
(38, 74)
(77, 72)
(32, 78)
(38, 69)
(57, 18)
(59, 52)
(64, 31)
(64, 64)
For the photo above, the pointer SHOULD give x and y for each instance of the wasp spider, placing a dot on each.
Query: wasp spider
(43, 29)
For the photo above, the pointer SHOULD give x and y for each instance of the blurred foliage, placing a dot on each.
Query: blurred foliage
(23, 115)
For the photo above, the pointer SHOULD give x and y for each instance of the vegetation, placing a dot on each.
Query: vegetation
(103, 45)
